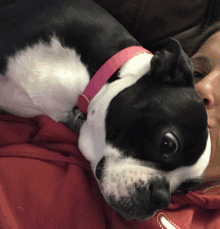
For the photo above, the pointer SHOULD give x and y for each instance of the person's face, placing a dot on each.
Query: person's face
(207, 84)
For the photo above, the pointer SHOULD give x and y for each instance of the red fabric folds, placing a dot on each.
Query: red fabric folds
(45, 182)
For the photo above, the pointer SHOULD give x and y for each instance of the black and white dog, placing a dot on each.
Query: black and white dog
(146, 129)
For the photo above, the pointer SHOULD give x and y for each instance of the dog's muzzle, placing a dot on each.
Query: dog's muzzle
(144, 201)
(135, 193)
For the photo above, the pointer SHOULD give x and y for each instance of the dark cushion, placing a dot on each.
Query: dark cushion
(150, 22)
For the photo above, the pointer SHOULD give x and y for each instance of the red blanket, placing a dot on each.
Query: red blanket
(45, 182)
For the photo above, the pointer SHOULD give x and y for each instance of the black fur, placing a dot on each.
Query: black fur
(26, 22)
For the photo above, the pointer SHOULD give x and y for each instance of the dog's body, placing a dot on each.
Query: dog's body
(146, 129)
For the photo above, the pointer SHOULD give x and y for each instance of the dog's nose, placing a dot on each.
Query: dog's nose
(160, 194)
(145, 200)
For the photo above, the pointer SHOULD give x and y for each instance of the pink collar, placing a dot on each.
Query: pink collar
(105, 72)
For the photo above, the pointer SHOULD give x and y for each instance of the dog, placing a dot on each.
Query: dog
(145, 132)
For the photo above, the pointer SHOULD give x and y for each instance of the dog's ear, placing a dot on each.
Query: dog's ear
(171, 65)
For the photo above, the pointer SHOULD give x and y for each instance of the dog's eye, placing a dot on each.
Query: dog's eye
(169, 145)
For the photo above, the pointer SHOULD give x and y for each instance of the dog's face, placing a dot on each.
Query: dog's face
(147, 138)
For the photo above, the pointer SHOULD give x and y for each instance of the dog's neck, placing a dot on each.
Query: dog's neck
(128, 74)
(105, 72)
(130, 71)
(136, 67)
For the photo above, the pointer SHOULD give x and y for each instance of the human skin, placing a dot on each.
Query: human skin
(207, 84)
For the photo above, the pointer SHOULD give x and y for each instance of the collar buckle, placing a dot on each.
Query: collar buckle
(77, 118)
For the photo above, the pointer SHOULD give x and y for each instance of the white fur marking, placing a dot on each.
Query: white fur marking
(121, 173)
(137, 66)
(47, 79)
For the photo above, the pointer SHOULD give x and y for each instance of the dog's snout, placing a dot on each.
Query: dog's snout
(160, 194)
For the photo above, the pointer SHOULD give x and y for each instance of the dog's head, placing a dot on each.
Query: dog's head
(146, 134)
